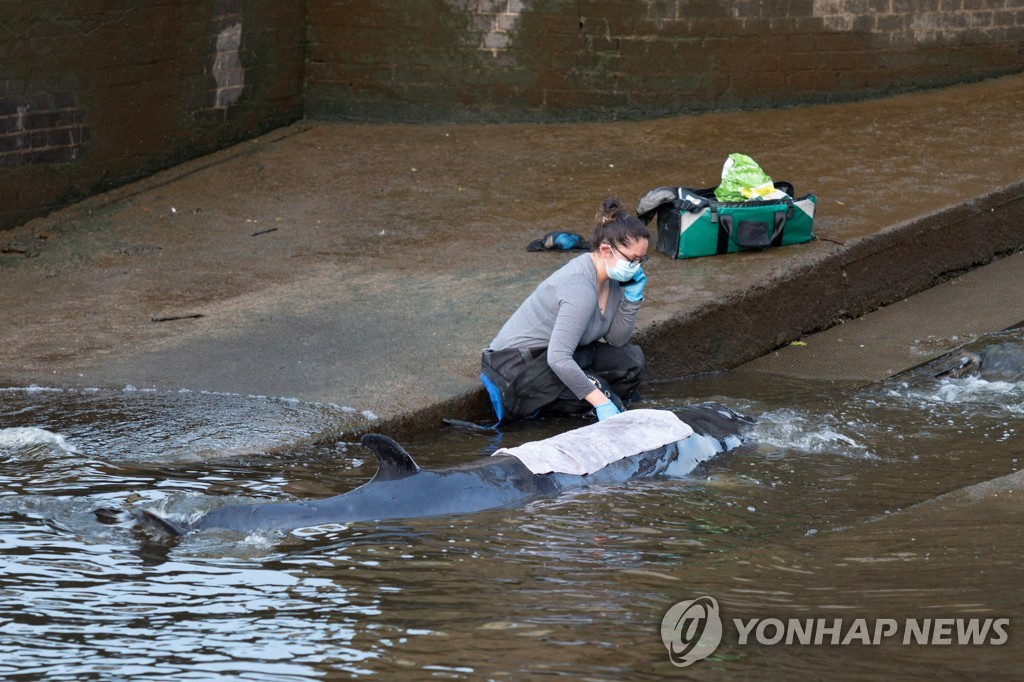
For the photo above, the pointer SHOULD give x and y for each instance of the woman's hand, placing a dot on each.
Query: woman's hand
(634, 288)
(606, 410)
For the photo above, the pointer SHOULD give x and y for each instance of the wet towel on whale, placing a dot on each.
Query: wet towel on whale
(590, 448)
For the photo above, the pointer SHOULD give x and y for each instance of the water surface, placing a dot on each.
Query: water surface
(818, 518)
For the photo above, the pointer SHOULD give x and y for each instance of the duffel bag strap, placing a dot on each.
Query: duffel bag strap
(724, 229)
(780, 223)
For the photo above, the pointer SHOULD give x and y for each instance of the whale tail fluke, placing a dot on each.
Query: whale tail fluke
(156, 526)
(111, 516)
(146, 521)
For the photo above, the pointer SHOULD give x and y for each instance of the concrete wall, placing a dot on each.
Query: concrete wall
(481, 60)
(94, 94)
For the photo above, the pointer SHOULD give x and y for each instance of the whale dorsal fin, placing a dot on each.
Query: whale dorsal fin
(392, 460)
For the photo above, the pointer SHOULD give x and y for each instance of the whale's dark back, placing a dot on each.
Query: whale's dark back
(714, 420)
(402, 490)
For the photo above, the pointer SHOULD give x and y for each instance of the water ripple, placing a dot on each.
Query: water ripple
(802, 522)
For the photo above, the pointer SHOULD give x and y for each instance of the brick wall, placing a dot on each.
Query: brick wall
(94, 94)
(468, 60)
(46, 126)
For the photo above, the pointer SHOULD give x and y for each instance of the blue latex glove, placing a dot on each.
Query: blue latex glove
(634, 288)
(606, 410)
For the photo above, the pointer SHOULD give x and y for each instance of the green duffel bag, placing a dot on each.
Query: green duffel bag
(692, 223)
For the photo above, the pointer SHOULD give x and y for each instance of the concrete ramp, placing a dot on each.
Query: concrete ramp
(908, 333)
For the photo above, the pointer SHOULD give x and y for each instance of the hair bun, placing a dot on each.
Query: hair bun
(614, 224)
(611, 208)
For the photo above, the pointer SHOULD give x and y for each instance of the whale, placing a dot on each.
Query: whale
(993, 357)
(994, 362)
(401, 489)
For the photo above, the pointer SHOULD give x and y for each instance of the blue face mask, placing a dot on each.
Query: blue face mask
(621, 270)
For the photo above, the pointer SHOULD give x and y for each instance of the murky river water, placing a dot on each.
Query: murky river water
(816, 520)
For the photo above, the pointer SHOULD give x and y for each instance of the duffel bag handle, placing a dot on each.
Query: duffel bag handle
(751, 234)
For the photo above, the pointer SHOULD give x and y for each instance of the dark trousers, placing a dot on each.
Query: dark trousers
(528, 385)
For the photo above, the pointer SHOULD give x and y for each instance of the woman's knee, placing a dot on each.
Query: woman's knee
(628, 359)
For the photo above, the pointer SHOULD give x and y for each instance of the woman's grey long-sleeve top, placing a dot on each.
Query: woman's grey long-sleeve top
(562, 314)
